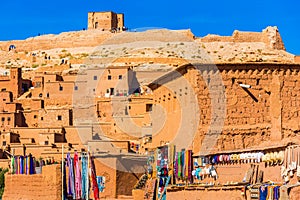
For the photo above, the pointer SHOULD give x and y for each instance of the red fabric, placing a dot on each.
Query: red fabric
(93, 179)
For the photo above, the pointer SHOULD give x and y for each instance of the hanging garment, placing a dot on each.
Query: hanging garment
(176, 166)
(101, 183)
(270, 195)
(179, 165)
(12, 164)
(17, 165)
(276, 193)
(32, 165)
(21, 164)
(71, 184)
(263, 193)
(183, 163)
(186, 163)
(93, 179)
(190, 163)
(84, 174)
(77, 176)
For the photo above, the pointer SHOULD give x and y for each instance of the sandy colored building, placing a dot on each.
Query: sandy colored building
(106, 21)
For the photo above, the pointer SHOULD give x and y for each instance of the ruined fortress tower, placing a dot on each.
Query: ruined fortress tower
(105, 21)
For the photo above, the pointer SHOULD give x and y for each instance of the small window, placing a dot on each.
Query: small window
(40, 95)
(148, 107)
(4, 143)
(8, 119)
(76, 87)
(42, 118)
(35, 116)
(120, 77)
(37, 84)
(48, 95)
(46, 142)
(95, 78)
(109, 77)
(59, 117)
(61, 88)
(4, 99)
(3, 119)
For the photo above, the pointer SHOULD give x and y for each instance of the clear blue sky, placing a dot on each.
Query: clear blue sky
(21, 19)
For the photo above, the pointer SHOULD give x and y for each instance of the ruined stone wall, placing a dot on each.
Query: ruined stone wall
(270, 36)
(38, 186)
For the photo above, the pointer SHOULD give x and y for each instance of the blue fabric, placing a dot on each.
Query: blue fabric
(263, 193)
(101, 183)
(71, 181)
(276, 193)
(197, 173)
(84, 175)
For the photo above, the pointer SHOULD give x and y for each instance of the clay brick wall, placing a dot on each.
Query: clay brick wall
(265, 113)
(39, 186)
(270, 36)
(56, 117)
(58, 93)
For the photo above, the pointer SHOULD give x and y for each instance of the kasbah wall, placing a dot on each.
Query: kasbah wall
(265, 114)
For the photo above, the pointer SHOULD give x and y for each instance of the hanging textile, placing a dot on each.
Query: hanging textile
(12, 164)
(93, 179)
(190, 163)
(183, 162)
(84, 179)
(179, 165)
(71, 184)
(101, 183)
(176, 166)
(32, 165)
(77, 176)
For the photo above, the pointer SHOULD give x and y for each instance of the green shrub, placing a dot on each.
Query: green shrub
(2, 180)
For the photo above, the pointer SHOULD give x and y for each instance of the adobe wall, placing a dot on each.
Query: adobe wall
(38, 186)
(259, 116)
(270, 36)
(297, 59)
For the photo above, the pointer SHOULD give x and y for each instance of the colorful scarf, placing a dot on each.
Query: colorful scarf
(77, 176)
(84, 167)
(71, 184)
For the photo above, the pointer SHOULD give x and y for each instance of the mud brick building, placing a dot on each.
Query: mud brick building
(106, 21)
(233, 93)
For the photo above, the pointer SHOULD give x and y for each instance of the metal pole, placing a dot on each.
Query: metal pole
(62, 172)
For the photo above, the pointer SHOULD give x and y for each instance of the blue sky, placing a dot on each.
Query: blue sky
(21, 19)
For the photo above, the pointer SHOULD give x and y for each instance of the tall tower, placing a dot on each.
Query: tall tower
(106, 21)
